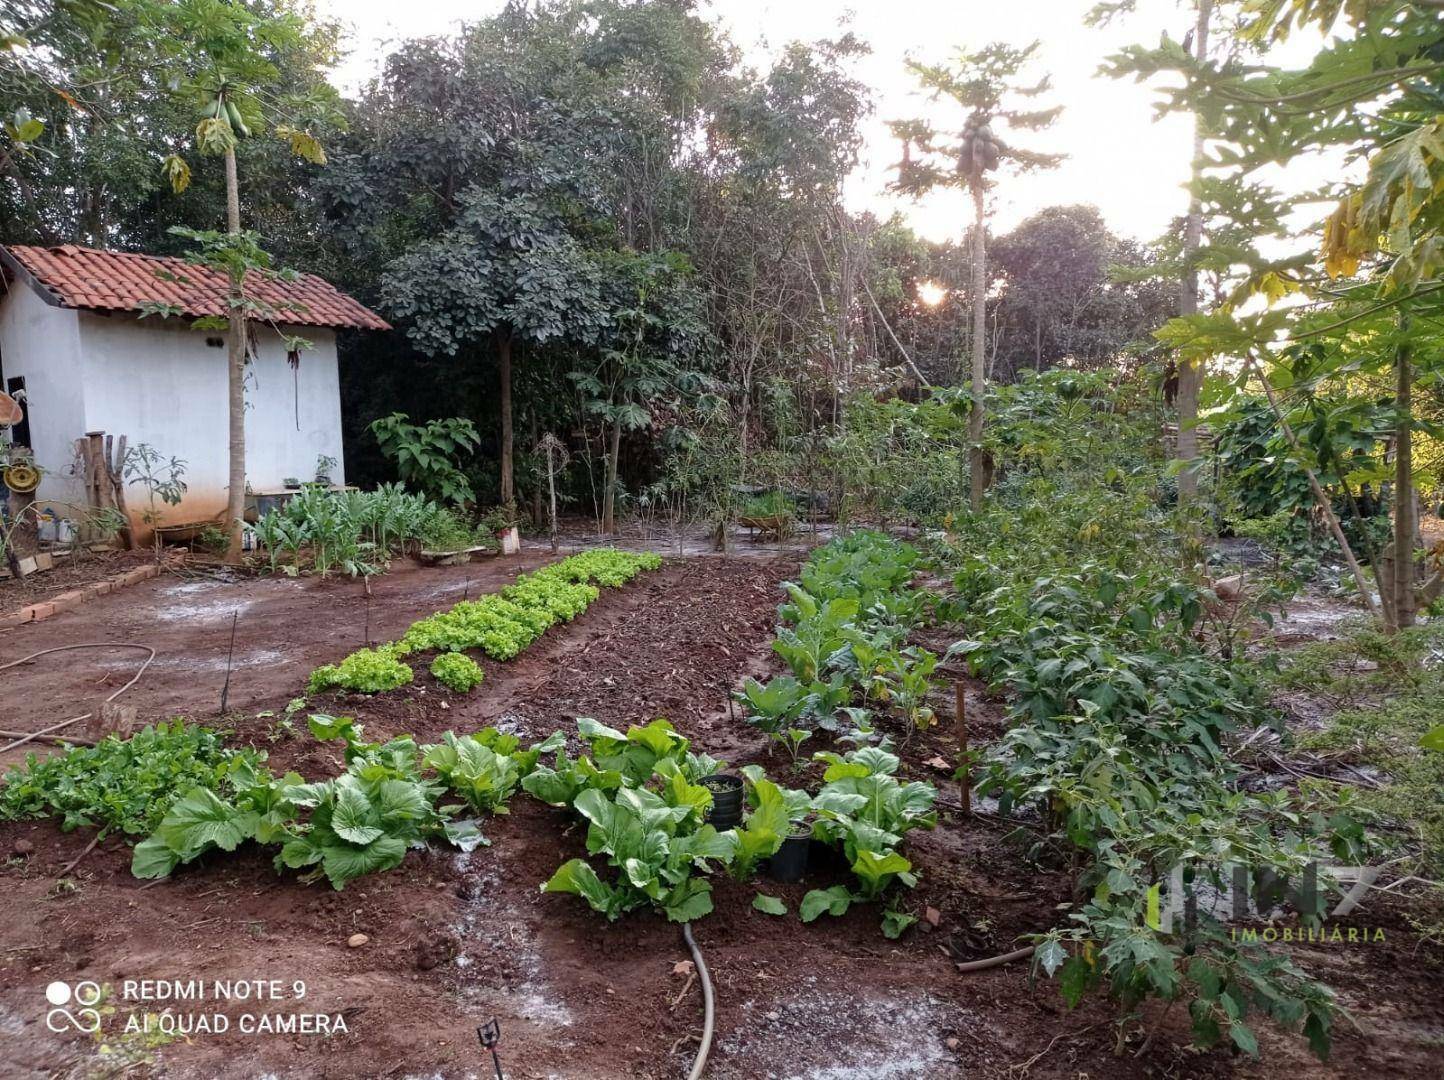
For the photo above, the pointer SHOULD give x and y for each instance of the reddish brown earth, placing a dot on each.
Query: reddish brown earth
(455, 940)
(71, 571)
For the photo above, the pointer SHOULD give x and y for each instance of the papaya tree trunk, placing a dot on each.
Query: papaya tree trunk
(235, 377)
(980, 330)
(1405, 525)
(1190, 373)
(609, 497)
(1321, 497)
(503, 364)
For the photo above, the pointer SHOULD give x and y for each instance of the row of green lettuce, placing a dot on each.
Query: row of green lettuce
(1121, 719)
(843, 635)
(500, 624)
(185, 795)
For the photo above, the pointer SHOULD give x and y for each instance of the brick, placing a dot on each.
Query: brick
(39, 611)
(15, 618)
(67, 601)
(100, 588)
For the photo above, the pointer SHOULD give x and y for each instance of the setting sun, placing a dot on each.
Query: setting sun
(931, 293)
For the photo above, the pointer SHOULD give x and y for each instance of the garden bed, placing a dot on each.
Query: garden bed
(454, 939)
(67, 573)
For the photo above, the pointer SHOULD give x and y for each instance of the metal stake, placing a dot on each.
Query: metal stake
(230, 656)
(489, 1034)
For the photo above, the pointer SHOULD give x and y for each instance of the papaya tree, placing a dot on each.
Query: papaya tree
(220, 55)
(1354, 315)
(989, 87)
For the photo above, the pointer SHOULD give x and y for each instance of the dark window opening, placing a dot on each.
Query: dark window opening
(20, 433)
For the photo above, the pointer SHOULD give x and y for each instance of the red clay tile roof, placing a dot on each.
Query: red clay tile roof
(79, 277)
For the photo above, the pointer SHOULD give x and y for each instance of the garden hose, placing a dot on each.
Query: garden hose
(996, 961)
(709, 1010)
(83, 716)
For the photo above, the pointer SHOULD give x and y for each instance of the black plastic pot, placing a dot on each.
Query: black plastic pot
(726, 789)
(787, 866)
(825, 856)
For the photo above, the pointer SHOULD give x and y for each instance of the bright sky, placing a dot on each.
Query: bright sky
(1119, 158)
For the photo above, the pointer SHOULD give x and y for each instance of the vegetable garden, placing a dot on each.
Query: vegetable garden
(818, 652)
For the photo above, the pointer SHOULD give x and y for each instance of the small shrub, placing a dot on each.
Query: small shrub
(460, 673)
(368, 671)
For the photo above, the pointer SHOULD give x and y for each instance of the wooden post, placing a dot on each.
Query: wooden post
(99, 482)
(117, 480)
(965, 779)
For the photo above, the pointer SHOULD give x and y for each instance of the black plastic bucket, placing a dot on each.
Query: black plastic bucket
(726, 789)
(789, 863)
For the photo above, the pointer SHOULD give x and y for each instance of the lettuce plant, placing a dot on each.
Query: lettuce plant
(459, 673)
(368, 671)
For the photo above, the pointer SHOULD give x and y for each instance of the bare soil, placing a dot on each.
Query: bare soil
(456, 939)
(70, 571)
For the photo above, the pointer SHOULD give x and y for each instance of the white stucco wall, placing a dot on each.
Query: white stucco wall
(158, 382)
(42, 344)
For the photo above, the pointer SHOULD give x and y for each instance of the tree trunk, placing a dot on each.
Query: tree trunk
(1405, 525)
(1321, 497)
(236, 376)
(980, 331)
(503, 363)
(1190, 374)
(609, 496)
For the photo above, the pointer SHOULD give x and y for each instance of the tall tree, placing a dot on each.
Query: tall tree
(1190, 374)
(987, 85)
(221, 55)
(510, 272)
(1363, 306)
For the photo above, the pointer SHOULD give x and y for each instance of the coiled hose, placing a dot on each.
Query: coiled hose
(709, 1005)
(83, 716)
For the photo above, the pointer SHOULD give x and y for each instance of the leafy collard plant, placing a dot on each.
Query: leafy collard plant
(645, 811)
(865, 808)
(655, 842)
(842, 633)
(486, 767)
(361, 822)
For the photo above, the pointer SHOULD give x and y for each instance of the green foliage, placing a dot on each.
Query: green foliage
(842, 633)
(1387, 689)
(360, 822)
(769, 905)
(770, 504)
(864, 807)
(645, 813)
(121, 784)
(460, 673)
(351, 531)
(1120, 719)
(446, 530)
(366, 671)
(501, 625)
(428, 456)
(485, 767)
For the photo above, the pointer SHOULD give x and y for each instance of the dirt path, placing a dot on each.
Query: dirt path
(457, 939)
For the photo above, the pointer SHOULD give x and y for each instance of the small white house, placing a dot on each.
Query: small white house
(77, 353)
